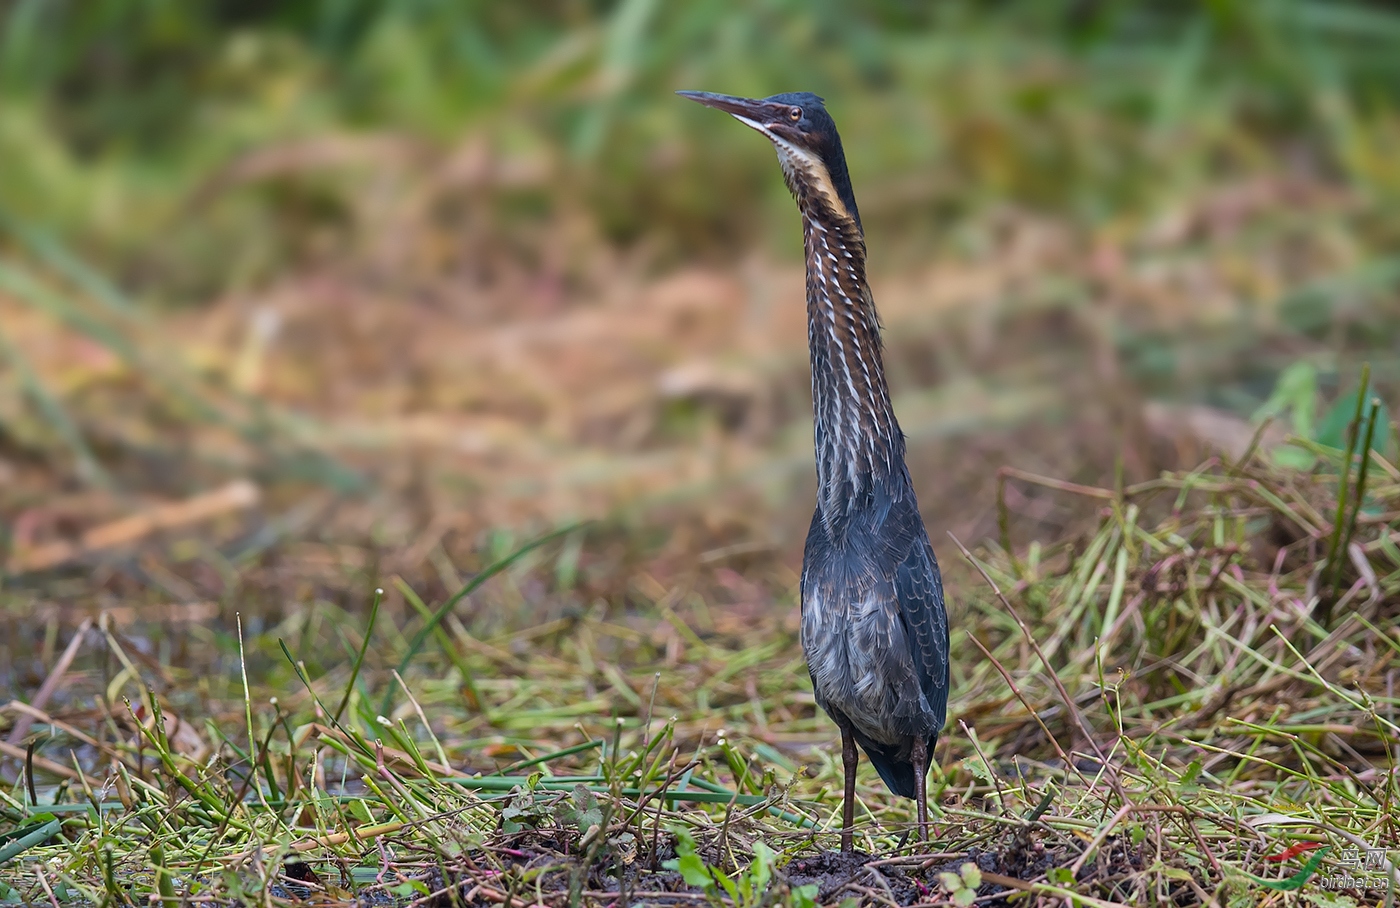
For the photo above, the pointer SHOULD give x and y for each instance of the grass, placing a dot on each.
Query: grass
(1140, 715)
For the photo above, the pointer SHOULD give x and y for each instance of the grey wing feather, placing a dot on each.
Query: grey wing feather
(919, 589)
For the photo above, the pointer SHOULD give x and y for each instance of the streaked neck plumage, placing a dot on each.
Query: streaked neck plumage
(859, 446)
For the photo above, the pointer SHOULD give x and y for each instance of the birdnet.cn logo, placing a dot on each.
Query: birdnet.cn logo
(1357, 867)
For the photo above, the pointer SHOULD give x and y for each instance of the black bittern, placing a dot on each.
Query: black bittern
(874, 628)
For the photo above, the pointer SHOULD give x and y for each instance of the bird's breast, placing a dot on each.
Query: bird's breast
(857, 651)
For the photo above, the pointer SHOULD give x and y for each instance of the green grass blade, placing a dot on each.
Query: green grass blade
(28, 837)
(443, 610)
(715, 795)
(1334, 548)
(360, 656)
(553, 755)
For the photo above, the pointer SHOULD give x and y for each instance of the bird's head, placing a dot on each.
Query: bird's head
(805, 137)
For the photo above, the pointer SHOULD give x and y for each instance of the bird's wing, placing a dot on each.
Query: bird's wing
(919, 590)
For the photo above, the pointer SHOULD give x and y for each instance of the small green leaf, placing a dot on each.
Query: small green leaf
(1294, 457)
(806, 896)
(1193, 769)
(761, 870)
(579, 810)
(685, 842)
(951, 881)
(979, 769)
(964, 897)
(693, 870)
(1294, 392)
(971, 874)
(1332, 430)
(1060, 876)
(523, 812)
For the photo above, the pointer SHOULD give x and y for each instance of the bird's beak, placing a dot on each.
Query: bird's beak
(754, 114)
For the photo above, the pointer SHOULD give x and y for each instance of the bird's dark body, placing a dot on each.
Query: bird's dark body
(874, 631)
(874, 628)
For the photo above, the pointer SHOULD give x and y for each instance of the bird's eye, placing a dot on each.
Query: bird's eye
(795, 114)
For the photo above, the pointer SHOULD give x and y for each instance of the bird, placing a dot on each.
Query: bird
(874, 625)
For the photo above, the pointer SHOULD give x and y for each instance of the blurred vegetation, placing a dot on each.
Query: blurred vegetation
(115, 113)
(1192, 196)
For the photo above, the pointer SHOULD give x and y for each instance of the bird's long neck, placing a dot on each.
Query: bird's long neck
(859, 446)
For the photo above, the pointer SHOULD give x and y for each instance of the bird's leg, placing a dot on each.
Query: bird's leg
(850, 758)
(921, 760)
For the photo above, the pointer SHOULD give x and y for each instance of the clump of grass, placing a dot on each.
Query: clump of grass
(1147, 714)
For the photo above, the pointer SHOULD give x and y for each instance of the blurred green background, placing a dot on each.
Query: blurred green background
(117, 112)
(475, 261)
